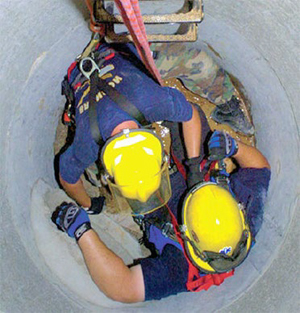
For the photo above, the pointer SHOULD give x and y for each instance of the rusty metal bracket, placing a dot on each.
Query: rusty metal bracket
(187, 17)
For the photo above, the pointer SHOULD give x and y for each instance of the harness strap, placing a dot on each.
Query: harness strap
(96, 84)
(197, 283)
(193, 271)
(122, 101)
(179, 166)
(99, 84)
(93, 109)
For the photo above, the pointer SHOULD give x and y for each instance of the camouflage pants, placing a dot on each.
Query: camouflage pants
(196, 69)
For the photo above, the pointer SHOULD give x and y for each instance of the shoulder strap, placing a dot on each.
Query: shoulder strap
(93, 110)
(122, 102)
(96, 84)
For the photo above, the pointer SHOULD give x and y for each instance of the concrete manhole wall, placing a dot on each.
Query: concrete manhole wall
(257, 42)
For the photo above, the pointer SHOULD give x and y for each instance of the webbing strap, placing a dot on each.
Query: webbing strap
(93, 109)
(122, 101)
(98, 84)
(95, 27)
(193, 271)
(198, 283)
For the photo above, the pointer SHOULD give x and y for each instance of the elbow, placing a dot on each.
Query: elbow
(123, 297)
(124, 291)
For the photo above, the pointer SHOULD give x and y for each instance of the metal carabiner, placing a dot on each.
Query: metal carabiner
(87, 69)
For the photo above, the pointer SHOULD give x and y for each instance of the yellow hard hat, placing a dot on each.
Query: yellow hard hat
(134, 161)
(216, 236)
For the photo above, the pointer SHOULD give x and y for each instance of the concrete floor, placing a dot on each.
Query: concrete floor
(41, 271)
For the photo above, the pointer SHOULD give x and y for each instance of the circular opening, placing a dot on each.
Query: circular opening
(31, 181)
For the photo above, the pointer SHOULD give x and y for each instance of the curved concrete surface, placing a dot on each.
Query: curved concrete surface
(41, 270)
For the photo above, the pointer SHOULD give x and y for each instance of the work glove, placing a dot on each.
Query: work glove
(194, 175)
(96, 206)
(221, 145)
(72, 219)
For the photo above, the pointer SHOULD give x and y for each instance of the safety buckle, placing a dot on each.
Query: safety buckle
(218, 177)
(88, 66)
(222, 180)
(172, 168)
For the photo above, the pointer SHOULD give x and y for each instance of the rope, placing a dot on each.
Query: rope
(132, 18)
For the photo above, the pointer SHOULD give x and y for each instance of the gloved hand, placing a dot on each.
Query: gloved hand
(194, 174)
(96, 206)
(72, 219)
(221, 145)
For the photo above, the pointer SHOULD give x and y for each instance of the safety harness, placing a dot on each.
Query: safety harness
(90, 70)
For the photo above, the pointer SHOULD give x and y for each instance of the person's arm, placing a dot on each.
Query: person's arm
(77, 192)
(248, 156)
(221, 145)
(109, 272)
(192, 134)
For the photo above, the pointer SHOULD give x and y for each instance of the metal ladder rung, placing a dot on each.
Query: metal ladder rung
(191, 11)
(189, 35)
(188, 16)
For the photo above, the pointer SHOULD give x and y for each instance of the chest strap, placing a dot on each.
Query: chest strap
(98, 84)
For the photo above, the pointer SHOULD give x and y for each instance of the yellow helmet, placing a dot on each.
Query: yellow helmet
(134, 161)
(216, 236)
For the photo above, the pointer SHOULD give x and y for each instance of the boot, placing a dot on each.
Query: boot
(230, 113)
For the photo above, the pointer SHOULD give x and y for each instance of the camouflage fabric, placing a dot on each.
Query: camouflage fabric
(196, 69)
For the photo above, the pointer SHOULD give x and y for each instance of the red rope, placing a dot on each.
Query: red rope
(132, 18)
